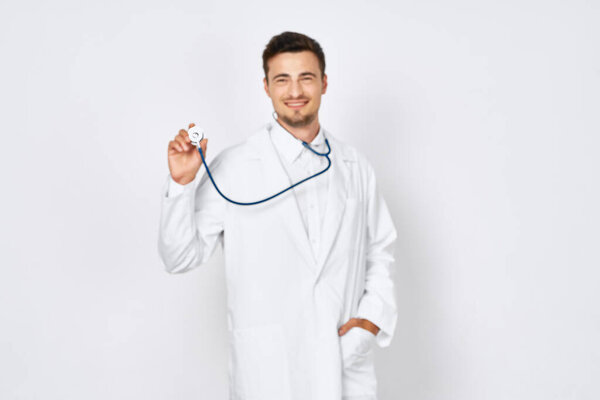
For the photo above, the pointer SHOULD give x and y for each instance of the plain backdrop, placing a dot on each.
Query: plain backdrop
(480, 118)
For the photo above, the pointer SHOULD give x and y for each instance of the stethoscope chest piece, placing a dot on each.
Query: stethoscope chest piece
(196, 135)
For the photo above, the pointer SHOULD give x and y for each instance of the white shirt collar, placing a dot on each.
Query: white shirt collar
(289, 146)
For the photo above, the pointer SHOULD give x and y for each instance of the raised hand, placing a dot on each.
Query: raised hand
(184, 158)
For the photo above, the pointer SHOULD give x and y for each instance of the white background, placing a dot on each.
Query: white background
(480, 118)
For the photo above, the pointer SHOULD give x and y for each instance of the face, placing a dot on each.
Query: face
(295, 87)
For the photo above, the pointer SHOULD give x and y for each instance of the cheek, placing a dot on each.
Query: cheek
(315, 94)
(315, 99)
(280, 95)
(275, 93)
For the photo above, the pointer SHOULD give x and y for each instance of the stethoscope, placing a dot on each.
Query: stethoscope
(197, 134)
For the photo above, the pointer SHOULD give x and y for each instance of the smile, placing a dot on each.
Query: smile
(296, 105)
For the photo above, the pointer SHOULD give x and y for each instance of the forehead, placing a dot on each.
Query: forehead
(293, 63)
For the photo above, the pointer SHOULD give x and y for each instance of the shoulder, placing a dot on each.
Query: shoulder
(242, 150)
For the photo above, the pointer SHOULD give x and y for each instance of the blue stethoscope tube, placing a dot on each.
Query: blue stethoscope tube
(276, 194)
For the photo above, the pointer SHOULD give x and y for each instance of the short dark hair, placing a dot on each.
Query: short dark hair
(292, 42)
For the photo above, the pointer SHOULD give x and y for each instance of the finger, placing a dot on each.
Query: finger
(345, 329)
(191, 125)
(182, 142)
(347, 326)
(174, 147)
(183, 133)
(203, 144)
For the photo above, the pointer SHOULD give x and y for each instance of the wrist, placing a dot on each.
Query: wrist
(184, 180)
(368, 325)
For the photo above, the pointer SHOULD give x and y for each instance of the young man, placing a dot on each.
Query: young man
(309, 278)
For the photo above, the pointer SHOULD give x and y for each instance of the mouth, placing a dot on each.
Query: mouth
(296, 104)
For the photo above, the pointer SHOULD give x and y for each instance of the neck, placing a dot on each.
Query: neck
(306, 133)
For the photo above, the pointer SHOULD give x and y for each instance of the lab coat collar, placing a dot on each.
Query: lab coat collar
(290, 146)
(276, 179)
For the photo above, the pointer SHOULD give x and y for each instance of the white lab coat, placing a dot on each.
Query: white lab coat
(284, 304)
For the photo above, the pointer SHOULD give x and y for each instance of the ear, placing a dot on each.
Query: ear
(266, 87)
(324, 84)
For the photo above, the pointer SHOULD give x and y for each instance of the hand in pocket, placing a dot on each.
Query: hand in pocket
(356, 344)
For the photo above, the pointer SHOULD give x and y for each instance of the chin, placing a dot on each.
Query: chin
(298, 122)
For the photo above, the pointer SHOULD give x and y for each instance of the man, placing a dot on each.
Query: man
(308, 273)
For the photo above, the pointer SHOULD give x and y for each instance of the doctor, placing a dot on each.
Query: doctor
(309, 272)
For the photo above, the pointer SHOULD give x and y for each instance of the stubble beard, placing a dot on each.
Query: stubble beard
(298, 123)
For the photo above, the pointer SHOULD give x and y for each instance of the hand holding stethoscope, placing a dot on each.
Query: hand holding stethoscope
(184, 157)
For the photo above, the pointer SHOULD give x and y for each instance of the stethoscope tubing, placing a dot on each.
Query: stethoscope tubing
(326, 155)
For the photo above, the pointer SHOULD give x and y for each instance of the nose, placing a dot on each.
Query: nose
(295, 88)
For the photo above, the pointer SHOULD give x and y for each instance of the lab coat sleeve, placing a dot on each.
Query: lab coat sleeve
(191, 221)
(174, 188)
(378, 301)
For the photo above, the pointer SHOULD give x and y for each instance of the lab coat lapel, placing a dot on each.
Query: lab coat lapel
(336, 203)
(276, 180)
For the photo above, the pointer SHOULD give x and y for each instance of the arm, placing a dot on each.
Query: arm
(378, 302)
(191, 221)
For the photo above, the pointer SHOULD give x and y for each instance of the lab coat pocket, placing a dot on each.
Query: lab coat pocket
(260, 369)
(357, 343)
(358, 375)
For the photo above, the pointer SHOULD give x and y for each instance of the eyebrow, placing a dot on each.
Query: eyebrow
(288, 75)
